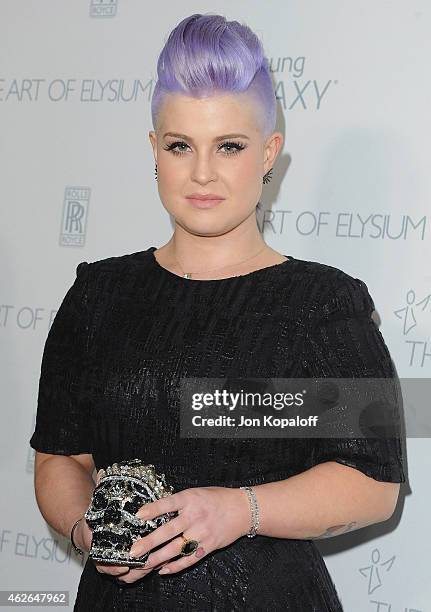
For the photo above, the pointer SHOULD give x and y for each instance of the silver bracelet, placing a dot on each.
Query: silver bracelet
(254, 508)
(78, 550)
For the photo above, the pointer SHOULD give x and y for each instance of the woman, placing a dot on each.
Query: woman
(214, 301)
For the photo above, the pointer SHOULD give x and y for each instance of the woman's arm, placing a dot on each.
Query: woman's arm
(331, 497)
(63, 486)
(324, 501)
(64, 464)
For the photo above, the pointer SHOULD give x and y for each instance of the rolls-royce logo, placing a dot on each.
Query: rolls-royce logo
(103, 8)
(75, 213)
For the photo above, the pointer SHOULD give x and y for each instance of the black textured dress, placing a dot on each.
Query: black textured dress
(129, 329)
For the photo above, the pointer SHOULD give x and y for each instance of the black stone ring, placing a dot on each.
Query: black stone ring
(188, 547)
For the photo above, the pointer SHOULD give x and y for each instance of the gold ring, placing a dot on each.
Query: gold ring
(188, 547)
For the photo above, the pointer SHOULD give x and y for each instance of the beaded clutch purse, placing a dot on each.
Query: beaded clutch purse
(122, 489)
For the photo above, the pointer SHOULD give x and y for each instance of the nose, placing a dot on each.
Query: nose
(203, 169)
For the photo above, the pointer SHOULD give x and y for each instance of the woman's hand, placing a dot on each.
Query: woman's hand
(214, 516)
(84, 536)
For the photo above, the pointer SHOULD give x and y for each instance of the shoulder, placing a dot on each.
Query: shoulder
(113, 267)
(99, 281)
(330, 290)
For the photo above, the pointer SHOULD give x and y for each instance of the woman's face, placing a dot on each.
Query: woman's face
(194, 155)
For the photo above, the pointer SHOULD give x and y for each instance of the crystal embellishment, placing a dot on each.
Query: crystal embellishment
(123, 488)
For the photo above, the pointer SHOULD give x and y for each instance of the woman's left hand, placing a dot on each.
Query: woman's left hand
(214, 516)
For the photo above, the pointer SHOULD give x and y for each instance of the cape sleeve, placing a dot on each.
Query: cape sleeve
(62, 420)
(345, 342)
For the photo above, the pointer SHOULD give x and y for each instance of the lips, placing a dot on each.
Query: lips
(206, 196)
(206, 201)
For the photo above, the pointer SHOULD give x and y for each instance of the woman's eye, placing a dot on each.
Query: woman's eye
(234, 146)
(231, 148)
(174, 145)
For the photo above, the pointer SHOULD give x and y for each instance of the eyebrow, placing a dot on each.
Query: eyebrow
(217, 139)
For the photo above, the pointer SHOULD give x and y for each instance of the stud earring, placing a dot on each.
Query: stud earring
(155, 172)
(268, 176)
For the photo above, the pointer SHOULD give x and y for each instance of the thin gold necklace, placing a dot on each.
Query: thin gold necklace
(189, 274)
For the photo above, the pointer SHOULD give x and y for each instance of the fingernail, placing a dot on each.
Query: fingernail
(164, 570)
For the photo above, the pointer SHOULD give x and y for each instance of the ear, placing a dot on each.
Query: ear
(272, 148)
(153, 139)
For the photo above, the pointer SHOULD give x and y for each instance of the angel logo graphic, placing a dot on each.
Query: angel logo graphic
(407, 313)
(375, 571)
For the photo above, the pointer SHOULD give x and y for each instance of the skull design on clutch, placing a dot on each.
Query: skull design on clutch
(123, 488)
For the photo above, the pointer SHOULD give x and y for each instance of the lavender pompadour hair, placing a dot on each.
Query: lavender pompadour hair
(207, 55)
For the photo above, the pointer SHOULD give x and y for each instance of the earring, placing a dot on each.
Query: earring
(268, 176)
(155, 172)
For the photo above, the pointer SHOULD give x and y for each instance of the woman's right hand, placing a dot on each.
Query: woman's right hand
(83, 538)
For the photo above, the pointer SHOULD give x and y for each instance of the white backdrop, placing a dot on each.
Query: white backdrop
(350, 189)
